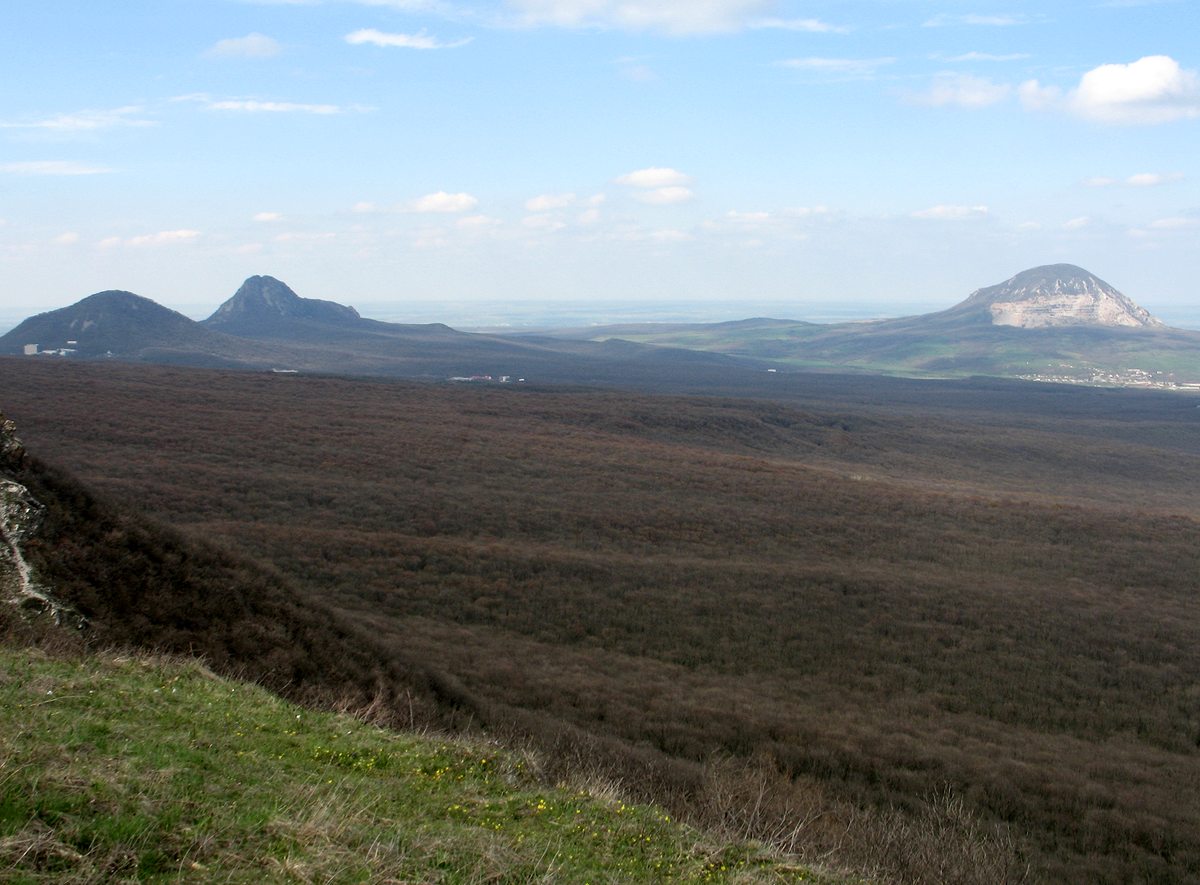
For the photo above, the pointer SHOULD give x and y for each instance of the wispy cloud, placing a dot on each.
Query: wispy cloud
(980, 56)
(664, 196)
(945, 212)
(52, 167)
(304, 237)
(85, 121)
(962, 90)
(859, 68)
(420, 40)
(668, 16)
(164, 237)
(549, 202)
(268, 217)
(635, 69)
(1141, 179)
(801, 25)
(161, 238)
(1036, 97)
(251, 46)
(253, 106)
(1176, 223)
(476, 222)
(974, 20)
(258, 106)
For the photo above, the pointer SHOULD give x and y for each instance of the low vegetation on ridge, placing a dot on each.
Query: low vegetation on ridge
(130, 768)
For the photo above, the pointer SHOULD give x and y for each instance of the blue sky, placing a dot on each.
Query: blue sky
(729, 154)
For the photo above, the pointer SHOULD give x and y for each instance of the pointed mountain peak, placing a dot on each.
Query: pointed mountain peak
(263, 300)
(1058, 295)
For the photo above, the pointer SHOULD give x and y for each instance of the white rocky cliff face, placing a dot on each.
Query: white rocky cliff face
(1060, 295)
(20, 518)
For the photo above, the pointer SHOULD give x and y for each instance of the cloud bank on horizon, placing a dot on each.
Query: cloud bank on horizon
(597, 151)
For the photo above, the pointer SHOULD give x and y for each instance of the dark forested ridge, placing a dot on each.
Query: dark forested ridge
(128, 582)
(886, 588)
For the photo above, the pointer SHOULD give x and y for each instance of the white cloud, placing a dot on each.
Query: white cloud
(476, 222)
(846, 67)
(68, 238)
(1154, 89)
(668, 235)
(420, 40)
(802, 25)
(982, 56)
(664, 196)
(85, 121)
(437, 6)
(990, 21)
(443, 202)
(1077, 223)
(548, 202)
(268, 216)
(1175, 223)
(52, 167)
(1099, 181)
(654, 177)
(253, 106)
(670, 16)
(636, 70)
(1152, 179)
(806, 211)
(962, 90)
(747, 217)
(363, 207)
(304, 237)
(543, 222)
(162, 238)
(1036, 97)
(944, 212)
(251, 46)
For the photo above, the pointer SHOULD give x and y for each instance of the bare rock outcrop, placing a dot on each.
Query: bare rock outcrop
(1060, 295)
(20, 518)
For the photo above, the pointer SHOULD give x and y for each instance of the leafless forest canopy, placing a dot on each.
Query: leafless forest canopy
(882, 593)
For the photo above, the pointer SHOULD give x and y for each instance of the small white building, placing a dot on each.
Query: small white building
(30, 349)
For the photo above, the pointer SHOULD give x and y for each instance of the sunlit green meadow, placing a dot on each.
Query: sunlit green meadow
(135, 769)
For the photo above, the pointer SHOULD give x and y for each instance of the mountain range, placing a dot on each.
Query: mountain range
(1055, 322)
(266, 325)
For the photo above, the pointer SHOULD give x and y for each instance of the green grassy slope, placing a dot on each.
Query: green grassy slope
(128, 768)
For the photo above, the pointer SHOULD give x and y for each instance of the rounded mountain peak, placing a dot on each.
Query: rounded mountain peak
(1058, 295)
